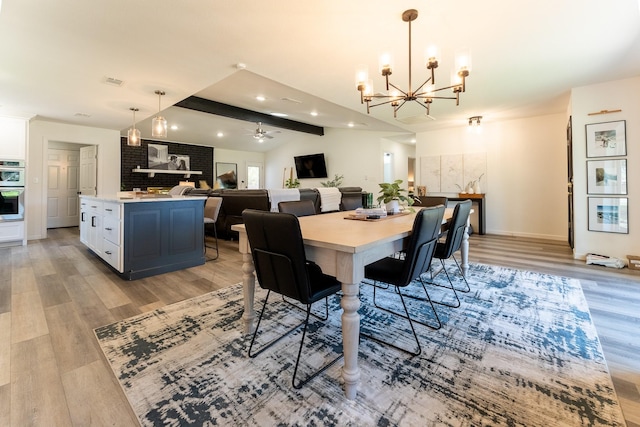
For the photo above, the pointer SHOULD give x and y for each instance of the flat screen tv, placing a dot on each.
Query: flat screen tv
(311, 166)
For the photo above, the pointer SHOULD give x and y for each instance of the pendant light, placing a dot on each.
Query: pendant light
(159, 124)
(133, 135)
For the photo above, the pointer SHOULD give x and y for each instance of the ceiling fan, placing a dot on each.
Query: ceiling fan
(260, 134)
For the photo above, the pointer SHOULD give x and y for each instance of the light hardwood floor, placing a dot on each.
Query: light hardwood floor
(53, 293)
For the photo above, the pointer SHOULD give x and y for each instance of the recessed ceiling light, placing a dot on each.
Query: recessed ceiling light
(351, 124)
(220, 134)
(260, 98)
(314, 113)
(174, 127)
(279, 114)
(413, 140)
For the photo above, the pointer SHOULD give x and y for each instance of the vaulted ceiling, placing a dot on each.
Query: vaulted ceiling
(57, 58)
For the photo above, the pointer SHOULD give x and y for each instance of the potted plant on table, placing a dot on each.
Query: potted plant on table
(391, 195)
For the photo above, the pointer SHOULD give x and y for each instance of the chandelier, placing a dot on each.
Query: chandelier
(426, 92)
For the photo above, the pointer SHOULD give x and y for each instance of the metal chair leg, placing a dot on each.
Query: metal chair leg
(319, 371)
(428, 299)
(215, 234)
(255, 332)
(415, 336)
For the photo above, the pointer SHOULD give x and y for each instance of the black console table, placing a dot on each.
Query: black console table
(475, 198)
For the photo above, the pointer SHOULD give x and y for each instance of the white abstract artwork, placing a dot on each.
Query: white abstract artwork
(430, 173)
(451, 177)
(475, 168)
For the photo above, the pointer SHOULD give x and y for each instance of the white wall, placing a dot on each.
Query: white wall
(240, 158)
(41, 134)
(353, 153)
(613, 95)
(525, 184)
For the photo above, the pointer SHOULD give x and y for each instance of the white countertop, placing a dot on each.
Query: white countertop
(144, 199)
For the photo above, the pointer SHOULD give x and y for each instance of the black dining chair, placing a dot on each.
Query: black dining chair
(446, 250)
(400, 272)
(281, 267)
(297, 207)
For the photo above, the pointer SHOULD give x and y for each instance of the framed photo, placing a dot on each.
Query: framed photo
(609, 214)
(607, 176)
(606, 139)
(226, 175)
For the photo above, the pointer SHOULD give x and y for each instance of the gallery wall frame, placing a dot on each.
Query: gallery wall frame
(607, 176)
(606, 139)
(609, 214)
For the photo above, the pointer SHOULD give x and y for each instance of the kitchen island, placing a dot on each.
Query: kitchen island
(142, 237)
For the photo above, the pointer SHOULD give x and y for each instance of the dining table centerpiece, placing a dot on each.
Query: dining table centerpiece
(391, 194)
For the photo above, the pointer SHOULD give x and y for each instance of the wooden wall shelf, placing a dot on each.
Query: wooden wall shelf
(153, 172)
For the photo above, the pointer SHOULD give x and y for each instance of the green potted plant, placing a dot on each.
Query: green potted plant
(292, 183)
(335, 182)
(391, 194)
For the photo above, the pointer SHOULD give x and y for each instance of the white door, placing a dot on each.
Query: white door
(254, 175)
(62, 194)
(88, 160)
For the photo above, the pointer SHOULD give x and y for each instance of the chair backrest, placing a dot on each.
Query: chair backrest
(212, 208)
(422, 243)
(297, 207)
(278, 253)
(456, 230)
(351, 203)
(428, 201)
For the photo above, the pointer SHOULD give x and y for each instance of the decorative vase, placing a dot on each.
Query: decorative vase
(393, 207)
(476, 187)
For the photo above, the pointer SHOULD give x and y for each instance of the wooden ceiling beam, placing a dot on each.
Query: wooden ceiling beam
(212, 107)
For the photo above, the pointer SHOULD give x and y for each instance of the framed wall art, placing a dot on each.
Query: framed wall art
(606, 139)
(607, 176)
(609, 214)
(226, 175)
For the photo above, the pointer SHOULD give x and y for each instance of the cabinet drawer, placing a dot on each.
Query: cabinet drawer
(94, 206)
(111, 210)
(111, 230)
(111, 254)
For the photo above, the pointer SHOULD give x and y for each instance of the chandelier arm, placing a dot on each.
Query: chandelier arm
(435, 97)
(385, 102)
(422, 85)
(397, 88)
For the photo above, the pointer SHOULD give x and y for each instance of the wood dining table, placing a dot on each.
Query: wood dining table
(342, 247)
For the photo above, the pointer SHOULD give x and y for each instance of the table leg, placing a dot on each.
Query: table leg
(248, 292)
(350, 336)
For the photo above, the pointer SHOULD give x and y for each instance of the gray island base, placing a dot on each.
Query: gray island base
(143, 237)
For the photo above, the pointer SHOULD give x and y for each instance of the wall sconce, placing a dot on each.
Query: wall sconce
(474, 124)
(159, 123)
(133, 135)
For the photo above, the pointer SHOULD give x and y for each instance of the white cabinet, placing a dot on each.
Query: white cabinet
(13, 138)
(101, 229)
(11, 231)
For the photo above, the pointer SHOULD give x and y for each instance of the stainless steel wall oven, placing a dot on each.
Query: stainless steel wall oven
(12, 178)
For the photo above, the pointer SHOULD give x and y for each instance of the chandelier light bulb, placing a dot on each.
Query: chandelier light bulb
(431, 56)
(362, 75)
(386, 64)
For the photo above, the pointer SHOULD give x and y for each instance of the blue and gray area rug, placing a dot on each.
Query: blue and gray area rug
(520, 351)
